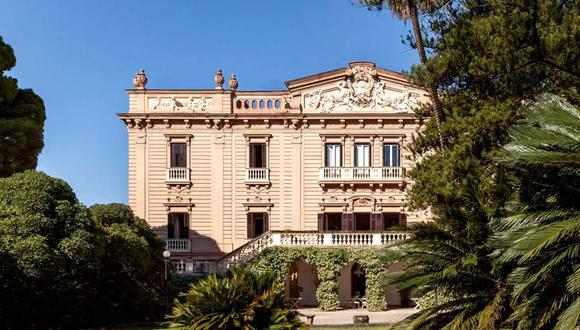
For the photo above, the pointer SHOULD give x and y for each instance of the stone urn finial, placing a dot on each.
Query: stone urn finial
(140, 80)
(233, 82)
(219, 79)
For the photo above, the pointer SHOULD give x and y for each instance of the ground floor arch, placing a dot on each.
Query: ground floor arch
(302, 282)
(331, 278)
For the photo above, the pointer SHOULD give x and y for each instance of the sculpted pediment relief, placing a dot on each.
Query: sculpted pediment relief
(361, 90)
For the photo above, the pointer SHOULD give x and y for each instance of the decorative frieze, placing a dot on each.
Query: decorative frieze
(174, 103)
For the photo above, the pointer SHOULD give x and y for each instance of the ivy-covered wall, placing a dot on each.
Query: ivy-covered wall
(329, 262)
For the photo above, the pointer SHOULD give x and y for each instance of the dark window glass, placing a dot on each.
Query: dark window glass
(362, 221)
(178, 225)
(257, 224)
(390, 155)
(333, 221)
(257, 155)
(390, 220)
(178, 155)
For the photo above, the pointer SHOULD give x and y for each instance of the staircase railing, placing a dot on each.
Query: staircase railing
(254, 247)
(246, 252)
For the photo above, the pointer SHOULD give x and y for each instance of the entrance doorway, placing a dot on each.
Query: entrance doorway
(257, 224)
(358, 280)
(362, 221)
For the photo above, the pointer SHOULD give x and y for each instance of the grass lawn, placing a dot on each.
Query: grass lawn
(373, 326)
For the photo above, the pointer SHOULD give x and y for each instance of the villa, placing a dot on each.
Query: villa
(222, 174)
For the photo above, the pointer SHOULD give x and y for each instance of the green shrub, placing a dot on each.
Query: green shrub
(239, 299)
(329, 262)
(65, 265)
(327, 295)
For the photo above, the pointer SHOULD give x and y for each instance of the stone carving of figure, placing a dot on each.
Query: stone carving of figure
(382, 98)
(405, 101)
(313, 101)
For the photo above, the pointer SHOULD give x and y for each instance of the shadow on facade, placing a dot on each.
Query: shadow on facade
(188, 244)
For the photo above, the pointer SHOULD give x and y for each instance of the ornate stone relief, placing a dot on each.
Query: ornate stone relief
(178, 201)
(359, 92)
(363, 202)
(180, 103)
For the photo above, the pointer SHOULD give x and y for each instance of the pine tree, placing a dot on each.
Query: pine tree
(21, 120)
(489, 58)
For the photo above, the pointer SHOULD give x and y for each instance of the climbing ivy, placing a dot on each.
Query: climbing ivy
(329, 262)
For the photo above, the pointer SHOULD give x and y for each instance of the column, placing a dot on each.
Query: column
(217, 189)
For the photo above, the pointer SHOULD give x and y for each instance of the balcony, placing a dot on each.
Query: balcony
(257, 176)
(360, 174)
(352, 239)
(177, 244)
(177, 175)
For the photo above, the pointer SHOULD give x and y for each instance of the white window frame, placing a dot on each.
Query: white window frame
(389, 162)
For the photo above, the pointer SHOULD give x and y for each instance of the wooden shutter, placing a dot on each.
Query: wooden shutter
(402, 220)
(186, 225)
(266, 222)
(264, 162)
(250, 224)
(170, 227)
(376, 221)
(347, 221)
(321, 226)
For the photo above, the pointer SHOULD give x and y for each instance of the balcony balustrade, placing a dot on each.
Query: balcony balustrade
(258, 175)
(177, 175)
(361, 174)
(255, 246)
(177, 244)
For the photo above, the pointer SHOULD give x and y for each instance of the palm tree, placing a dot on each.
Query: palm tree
(237, 300)
(409, 9)
(476, 295)
(543, 239)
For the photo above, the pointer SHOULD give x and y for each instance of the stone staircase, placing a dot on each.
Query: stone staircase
(254, 247)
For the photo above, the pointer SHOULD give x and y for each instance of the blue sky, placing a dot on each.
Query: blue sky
(80, 56)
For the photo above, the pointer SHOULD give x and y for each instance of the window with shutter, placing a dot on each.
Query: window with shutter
(347, 221)
(377, 222)
(177, 225)
(258, 155)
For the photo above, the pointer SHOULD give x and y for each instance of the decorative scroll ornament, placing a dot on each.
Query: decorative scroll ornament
(361, 92)
(174, 104)
(140, 80)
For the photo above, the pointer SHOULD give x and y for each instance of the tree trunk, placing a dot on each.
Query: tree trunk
(437, 105)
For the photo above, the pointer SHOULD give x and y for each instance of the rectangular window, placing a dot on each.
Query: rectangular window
(362, 155)
(178, 226)
(258, 155)
(178, 155)
(390, 155)
(333, 155)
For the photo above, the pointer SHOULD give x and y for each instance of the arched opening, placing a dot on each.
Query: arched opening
(358, 281)
(293, 281)
(394, 296)
(301, 284)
